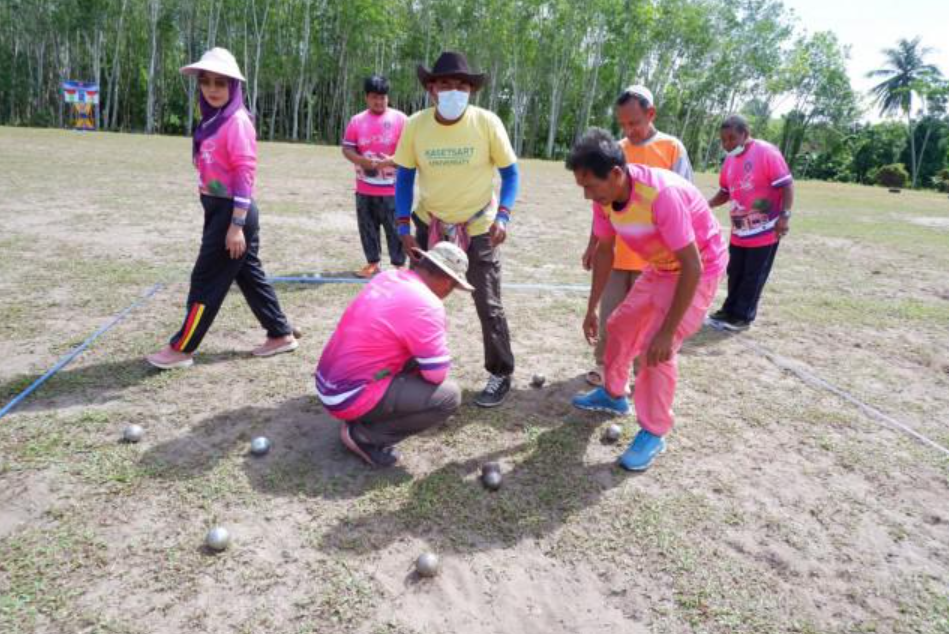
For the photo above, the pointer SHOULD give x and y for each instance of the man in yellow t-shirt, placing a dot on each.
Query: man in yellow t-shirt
(644, 144)
(455, 149)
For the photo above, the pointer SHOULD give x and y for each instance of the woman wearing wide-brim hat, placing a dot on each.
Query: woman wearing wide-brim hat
(455, 149)
(224, 151)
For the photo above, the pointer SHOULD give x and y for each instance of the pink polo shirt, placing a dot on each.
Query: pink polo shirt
(664, 214)
(755, 182)
(375, 136)
(396, 318)
(227, 161)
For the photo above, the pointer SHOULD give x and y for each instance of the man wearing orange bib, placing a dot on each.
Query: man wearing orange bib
(642, 144)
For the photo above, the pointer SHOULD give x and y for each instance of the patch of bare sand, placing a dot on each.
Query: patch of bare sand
(506, 590)
(933, 222)
(25, 497)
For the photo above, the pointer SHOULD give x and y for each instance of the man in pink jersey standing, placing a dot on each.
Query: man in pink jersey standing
(384, 371)
(759, 184)
(369, 143)
(665, 220)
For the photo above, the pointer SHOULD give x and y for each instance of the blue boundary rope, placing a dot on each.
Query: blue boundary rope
(68, 358)
(64, 361)
(317, 279)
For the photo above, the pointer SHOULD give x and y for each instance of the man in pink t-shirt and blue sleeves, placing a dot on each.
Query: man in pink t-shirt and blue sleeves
(758, 182)
(665, 220)
(369, 143)
(384, 371)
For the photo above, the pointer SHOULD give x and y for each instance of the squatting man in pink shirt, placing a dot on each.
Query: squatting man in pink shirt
(384, 371)
(665, 220)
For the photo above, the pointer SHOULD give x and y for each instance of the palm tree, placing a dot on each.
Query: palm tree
(906, 73)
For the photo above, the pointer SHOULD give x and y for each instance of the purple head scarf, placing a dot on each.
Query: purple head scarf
(213, 118)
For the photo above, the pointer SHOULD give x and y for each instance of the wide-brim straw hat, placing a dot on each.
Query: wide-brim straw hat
(451, 64)
(219, 61)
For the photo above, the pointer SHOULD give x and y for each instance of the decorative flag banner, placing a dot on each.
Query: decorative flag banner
(81, 92)
(82, 98)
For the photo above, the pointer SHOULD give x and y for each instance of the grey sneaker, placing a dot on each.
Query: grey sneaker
(735, 325)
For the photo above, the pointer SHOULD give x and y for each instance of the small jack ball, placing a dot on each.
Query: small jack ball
(259, 446)
(427, 565)
(492, 480)
(538, 380)
(218, 538)
(612, 433)
(133, 433)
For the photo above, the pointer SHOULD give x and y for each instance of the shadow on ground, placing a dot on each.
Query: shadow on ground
(547, 478)
(96, 383)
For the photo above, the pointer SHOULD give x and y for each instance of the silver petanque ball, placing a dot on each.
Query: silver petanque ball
(218, 538)
(492, 480)
(612, 433)
(259, 445)
(538, 380)
(427, 565)
(133, 433)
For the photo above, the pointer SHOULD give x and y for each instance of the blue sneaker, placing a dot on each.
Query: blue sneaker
(599, 400)
(642, 451)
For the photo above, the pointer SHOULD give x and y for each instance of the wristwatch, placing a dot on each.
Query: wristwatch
(786, 213)
(238, 222)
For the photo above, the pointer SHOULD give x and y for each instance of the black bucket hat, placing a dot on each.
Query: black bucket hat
(451, 64)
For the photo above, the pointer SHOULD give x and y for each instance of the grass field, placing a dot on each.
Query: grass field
(779, 507)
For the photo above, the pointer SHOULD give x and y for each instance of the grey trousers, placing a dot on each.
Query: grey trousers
(410, 406)
(617, 288)
(484, 273)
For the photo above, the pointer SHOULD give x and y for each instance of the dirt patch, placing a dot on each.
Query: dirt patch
(506, 591)
(26, 498)
(932, 222)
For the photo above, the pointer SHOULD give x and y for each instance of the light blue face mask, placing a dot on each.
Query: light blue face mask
(452, 104)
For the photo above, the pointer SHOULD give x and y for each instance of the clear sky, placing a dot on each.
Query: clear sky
(871, 25)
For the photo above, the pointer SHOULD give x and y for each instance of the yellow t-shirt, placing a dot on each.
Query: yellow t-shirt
(456, 164)
(660, 150)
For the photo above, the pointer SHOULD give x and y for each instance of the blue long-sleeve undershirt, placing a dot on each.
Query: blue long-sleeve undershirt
(405, 185)
(404, 190)
(510, 183)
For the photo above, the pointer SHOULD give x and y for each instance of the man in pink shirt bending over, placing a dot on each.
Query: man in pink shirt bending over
(384, 371)
(665, 220)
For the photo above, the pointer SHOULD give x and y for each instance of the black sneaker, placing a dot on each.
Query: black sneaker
(495, 392)
(372, 454)
(719, 315)
(733, 324)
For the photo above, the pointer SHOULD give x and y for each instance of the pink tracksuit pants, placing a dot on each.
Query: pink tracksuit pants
(631, 329)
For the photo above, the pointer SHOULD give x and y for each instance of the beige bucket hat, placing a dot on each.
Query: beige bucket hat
(450, 259)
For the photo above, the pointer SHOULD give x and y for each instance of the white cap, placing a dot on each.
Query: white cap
(641, 92)
(450, 259)
(218, 60)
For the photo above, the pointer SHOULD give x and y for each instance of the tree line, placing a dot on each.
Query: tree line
(555, 68)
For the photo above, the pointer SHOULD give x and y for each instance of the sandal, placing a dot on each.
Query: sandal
(595, 376)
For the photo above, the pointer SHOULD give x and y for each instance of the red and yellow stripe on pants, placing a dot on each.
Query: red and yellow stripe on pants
(191, 325)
